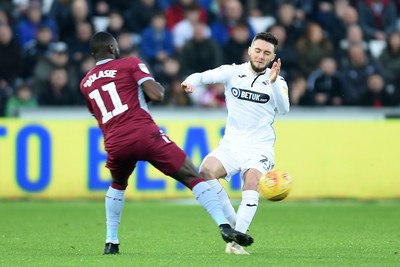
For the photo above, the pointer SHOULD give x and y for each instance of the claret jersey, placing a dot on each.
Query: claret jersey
(252, 102)
(114, 96)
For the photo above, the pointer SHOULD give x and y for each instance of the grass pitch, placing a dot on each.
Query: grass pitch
(324, 233)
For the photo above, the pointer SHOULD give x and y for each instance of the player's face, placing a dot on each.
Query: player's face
(261, 54)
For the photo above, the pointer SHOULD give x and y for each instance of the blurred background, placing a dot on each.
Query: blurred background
(341, 59)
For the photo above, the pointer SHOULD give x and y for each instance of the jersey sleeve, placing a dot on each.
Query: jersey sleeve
(280, 95)
(140, 71)
(217, 75)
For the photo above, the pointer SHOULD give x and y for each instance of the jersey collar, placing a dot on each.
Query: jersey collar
(103, 61)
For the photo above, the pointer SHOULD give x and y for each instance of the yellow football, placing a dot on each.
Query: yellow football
(275, 185)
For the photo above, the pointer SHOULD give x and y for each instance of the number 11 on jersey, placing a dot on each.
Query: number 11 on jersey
(115, 99)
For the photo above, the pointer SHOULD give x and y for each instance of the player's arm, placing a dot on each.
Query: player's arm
(279, 88)
(217, 75)
(153, 90)
(280, 95)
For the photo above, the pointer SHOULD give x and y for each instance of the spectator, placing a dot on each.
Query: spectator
(377, 18)
(183, 30)
(328, 87)
(138, 16)
(390, 57)
(260, 8)
(354, 36)
(176, 97)
(299, 95)
(302, 8)
(157, 42)
(378, 94)
(232, 14)
(101, 12)
(56, 92)
(200, 53)
(237, 45)
(349, 15)
(6, 91)
(69, 16)
(22, 99)
(176, 12)
(335, 18)
(29, 25)
(312, 47)
(286, 17)
(213, 97)
(286, 51)
(20, 7)
(130, 52)
(170, 70)
(86, 64)
(36, 49)
(10, 55)
(5, 18)
(78, 44)
(60, 13)
(58, 58)
(116, 23)
(356, 69)
(120, 5)
(168, 75)
(126, 41)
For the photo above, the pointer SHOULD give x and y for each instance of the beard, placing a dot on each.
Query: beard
(258, 69)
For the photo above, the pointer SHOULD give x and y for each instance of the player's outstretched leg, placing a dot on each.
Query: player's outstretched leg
(111, 248)
(229, 235)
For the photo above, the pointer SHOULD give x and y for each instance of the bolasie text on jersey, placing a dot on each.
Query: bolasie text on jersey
(100, 74)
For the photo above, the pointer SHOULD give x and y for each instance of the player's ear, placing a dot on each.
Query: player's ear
(248, 50)
(111, 49)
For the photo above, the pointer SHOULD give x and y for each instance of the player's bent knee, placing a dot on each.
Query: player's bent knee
(251, 183)
(207, 173)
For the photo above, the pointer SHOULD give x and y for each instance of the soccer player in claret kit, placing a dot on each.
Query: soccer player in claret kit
(116, 91)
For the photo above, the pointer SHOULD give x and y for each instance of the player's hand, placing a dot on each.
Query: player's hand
(187, 87)
(275, 69)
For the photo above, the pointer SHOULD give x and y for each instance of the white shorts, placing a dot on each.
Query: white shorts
(236, 159)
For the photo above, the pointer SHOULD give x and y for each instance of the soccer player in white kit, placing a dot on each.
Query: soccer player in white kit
(254, 94)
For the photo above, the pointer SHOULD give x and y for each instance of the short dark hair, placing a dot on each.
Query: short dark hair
(266, 36)
(100, 41)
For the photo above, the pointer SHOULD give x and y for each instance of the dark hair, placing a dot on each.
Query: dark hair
(100, 42)
(192, 7)
(266, 36)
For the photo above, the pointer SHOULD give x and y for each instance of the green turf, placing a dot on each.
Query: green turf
(326, 233)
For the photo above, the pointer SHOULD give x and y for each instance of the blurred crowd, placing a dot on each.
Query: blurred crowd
(333, 52)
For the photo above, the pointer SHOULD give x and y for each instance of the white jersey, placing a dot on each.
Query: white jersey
(252, 103)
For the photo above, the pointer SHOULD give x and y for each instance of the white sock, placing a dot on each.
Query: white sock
(208, 198)
(247, 210)
(114, 205)
(226, 204)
